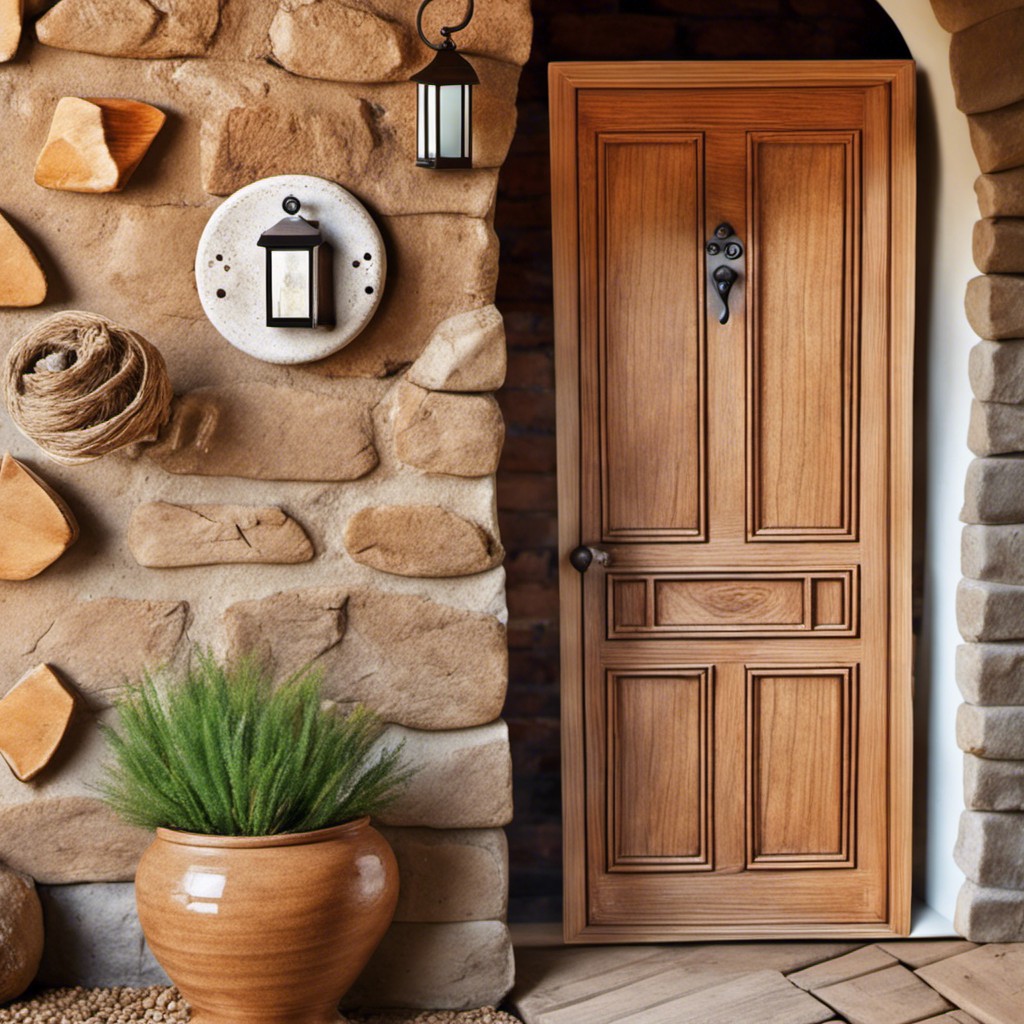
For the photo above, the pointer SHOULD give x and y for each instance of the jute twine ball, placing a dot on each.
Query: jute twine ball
(81, 387)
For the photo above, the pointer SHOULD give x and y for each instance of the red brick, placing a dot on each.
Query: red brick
(530, 492)
(528, 410)
(533, 599)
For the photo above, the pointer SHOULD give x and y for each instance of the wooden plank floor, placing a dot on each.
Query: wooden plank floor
(913, 981)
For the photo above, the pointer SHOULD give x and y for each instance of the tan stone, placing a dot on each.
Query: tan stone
(34, 718)
(450, 874)
(36, 525)
(131, 28)
(995, 306)
(161, 535)
(955, 15)
(102, 644)
(420, 540)
(263, 432)
(991, 785)
(463, 778)
(995, 428)
(991, 674)
(997, 371)
(70, 839)
(22, 281)
(414, 661)
(989, 611)
(10, 37)
(997, 138)
(340, 41)
(985, 914)
(984, 61)
(999, 244)
(993, 553)
(996, 733)
(990, 848)
(1002, 194)
(444, 966)
(994, 491)
(460, 435)
(21, 933)
(465, 353)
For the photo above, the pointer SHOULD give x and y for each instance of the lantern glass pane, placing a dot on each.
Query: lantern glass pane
(452, 116)
(467, 103)
(421, 122)
(431, 102)
(291, 285)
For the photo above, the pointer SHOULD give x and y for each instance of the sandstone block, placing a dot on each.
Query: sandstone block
(991, 675)
(997, 371)
(994, 491)
(34, 717)
(263, 432)
(463, 778)
(36, 525)
(340, 41)
(995, 428)
(22, 281)
(440, 966)
(990, 848)
(989, 611)
(10, 37)
(21, 933)
(450, 874)
(421, 540)
(1002, 194)
(414, 661)
(460, 435)
(985, 914)
(997, 138)
(955, 15)
(996, 733)
(161, 535)
(995, 306)
(999, 244)
(131, 28)
(69, 839)
(94, 939)
(984, 62)
(465, 353)
(993, 553)
(99, 645)
(993, 785)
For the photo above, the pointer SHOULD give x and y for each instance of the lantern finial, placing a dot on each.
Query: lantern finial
(446, 30)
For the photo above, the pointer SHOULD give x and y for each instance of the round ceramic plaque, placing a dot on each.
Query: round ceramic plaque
(231, 268)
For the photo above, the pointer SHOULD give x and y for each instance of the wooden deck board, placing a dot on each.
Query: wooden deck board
(987, 982)
(890, 996)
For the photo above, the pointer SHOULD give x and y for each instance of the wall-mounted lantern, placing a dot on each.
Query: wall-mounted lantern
(444, 94)
(293, 269)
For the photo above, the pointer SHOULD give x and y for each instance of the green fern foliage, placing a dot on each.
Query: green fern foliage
(224, 752)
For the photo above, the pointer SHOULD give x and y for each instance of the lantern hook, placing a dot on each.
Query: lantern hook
(446, 31)
(291, 206)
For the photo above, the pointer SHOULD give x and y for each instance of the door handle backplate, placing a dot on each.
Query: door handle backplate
(724, 252)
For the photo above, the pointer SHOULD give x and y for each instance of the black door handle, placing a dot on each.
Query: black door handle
(581, 558)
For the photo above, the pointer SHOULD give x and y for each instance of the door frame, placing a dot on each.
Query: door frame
(565, 81)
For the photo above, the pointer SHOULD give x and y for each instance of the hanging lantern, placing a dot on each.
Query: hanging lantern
(293, 269)
(444, 94)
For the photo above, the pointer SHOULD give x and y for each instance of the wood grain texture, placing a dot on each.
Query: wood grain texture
(988, 981)
(890, 996)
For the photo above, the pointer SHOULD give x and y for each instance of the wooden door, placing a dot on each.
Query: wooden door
(736, 681)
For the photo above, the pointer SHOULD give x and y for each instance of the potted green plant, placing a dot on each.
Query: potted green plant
(266, 890)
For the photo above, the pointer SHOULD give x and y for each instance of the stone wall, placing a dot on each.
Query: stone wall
(988, 79)
(387, 449)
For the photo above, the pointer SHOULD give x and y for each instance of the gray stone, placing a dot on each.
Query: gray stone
(450, 874)
(465, 353)
(93, 937)
(993, 553)
(985, 914)
(995, 305)
(997, 371)
(985, 64)
(990, 611)
(998, 138)
(993, 785)
(995, 428)
(999, 245)
(990, 848)
(1002, 194)
(991, 675)
(21, 933)
(994, 491)
(463, 778)
(996, 733)
(442, 966)
(955, 15)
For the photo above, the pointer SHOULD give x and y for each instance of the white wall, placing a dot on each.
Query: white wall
(947, 212)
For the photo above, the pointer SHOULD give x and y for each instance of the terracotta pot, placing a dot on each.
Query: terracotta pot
(266, 930)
